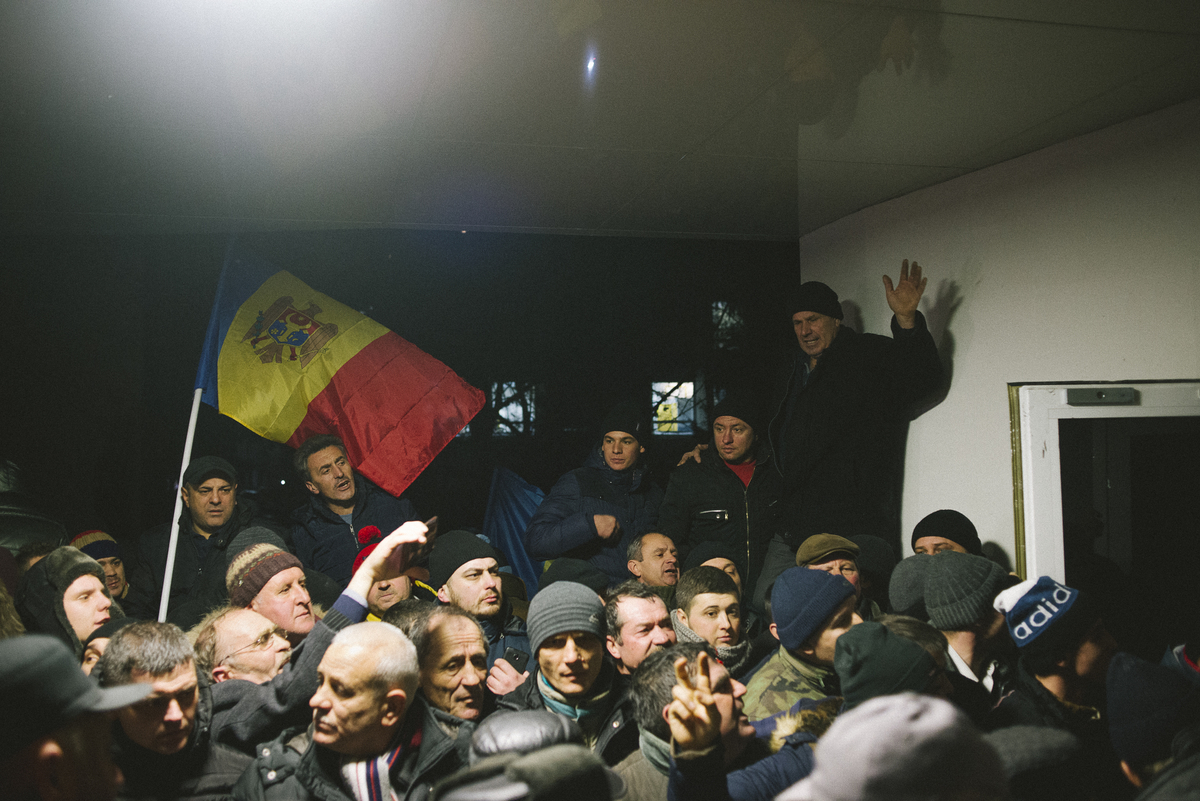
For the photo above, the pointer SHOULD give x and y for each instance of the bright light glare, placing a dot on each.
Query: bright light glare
(591, 64)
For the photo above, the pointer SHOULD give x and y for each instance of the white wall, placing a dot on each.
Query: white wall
(1080, 262)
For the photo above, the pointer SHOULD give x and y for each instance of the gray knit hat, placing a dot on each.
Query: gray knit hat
(959, 589)
(564, 606)
(906, 590)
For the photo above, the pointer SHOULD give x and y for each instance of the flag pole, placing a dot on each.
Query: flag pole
(171, 547)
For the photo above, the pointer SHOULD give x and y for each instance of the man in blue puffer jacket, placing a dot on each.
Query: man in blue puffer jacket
(595, 511)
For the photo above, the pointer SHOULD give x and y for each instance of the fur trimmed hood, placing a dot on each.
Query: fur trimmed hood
(814, 721)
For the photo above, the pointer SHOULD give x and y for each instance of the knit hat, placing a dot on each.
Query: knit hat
(905, 746)
(872, 661)
(959, 589)
(564, 606)
(742, 405)
(577, 570)
(97, 544)
(1040, 761)
(1045, 614)
(107, 630)
(813, 296)
(631, 419)
(950, 525)
(819, 546)
(42, 688)
(802, 600)
(203, 468)
(454, 549)
(875, 555)
(906, 590)
(1147, 706)
(40, 599)
(711, 549)
(251, 569)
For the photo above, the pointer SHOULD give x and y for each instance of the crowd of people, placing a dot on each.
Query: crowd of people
(742, 633)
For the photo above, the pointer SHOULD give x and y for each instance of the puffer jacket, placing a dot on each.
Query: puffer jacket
(564, 523)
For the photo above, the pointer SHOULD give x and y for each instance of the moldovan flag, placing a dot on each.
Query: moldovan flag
(287, 362)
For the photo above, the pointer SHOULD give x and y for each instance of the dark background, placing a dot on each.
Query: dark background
(102, 335)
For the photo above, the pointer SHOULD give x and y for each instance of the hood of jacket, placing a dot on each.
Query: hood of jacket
(40, 595)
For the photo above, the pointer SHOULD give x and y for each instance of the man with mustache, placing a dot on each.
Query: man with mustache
(326, 529)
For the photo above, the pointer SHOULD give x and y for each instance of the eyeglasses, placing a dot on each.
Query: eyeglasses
(261, 642)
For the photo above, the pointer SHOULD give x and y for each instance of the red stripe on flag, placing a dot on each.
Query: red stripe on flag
(395, 407)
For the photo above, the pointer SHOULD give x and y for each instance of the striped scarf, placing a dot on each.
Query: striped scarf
(370, 779)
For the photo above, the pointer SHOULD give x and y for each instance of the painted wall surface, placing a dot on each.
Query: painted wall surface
(1080, 262)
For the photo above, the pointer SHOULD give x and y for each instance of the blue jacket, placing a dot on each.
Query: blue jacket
(324, 542)
(507, 631)
(563, 524)
(701, 775)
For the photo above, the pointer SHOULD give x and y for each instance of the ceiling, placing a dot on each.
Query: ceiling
(727, 119)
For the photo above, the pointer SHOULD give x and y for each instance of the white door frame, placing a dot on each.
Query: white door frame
(1034, 411)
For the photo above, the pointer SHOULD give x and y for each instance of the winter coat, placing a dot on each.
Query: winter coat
(1181, 779)
(326, 543)
(202, 770)
(294, 768)
(504, 631)
(40, 594)
(702, 775)
(618, 734)
(838, 441)
(245, 714)
(782, 681)
(706, 501)
(564, 523)
(197, 583)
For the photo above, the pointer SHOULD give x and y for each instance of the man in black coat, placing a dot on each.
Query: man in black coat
(212, 516)
(840, 406)
(326, 529)
(731, 496)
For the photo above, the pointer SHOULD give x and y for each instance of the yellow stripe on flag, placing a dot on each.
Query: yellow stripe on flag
(282, 349)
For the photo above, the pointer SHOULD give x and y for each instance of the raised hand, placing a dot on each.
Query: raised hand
(693, 717)
(391, 557)
(904, 297)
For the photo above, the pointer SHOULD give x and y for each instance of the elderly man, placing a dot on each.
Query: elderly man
(452, 656)
(638, 624)
(212, 516)
(731, 494)
(654, 561)
(810, 610)
(839, 407)
(236, 643)
(372, 733)
(837, 556)
(55, 745)
(271, 581)
(342, 504)
(572, 677)
(594, 512)
(466, 572)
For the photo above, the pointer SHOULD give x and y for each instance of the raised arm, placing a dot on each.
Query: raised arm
(905, 296)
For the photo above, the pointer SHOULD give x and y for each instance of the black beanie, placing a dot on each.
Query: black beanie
(871, 661)
(742, 405)
(577, 570)
(627, 417)
(1148, 705)
(813, 296)
(711, 549)
(951, 525)
(454, 549)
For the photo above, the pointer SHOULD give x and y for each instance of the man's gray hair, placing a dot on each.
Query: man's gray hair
(395, 655)
(634, 552)
(424, 637)
(155, 649)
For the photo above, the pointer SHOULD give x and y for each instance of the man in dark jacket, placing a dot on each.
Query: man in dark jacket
(839, 409)
(213, 514)
(465, 570)
(325, 530)
(366, 714)
(593, 513)
(732, 495)
(573, 678)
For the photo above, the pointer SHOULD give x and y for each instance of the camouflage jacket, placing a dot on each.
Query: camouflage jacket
(782, 681)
